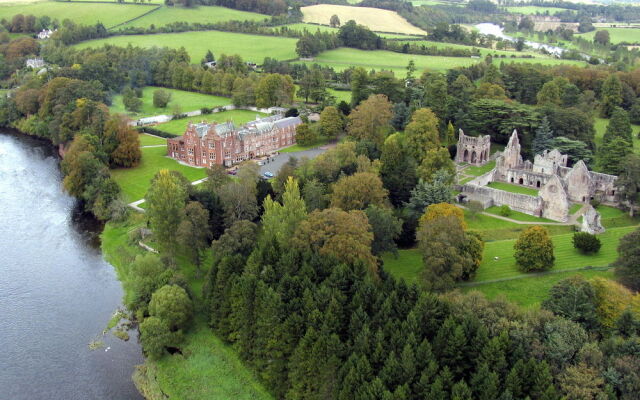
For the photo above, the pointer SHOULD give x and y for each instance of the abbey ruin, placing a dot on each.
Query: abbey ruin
(558, 186)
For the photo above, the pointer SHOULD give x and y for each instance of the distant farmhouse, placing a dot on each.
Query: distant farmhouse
(35, 63)
(204, 144)
(558, 185)
(46, 33)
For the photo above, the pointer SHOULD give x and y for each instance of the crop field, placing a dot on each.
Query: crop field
(252, 48)
(616, 35)
(178, 126)
(507, 187)
(81, 13)
(150, 140)
(188, 101)
(374, 18)
(134, 182)
(202, 14)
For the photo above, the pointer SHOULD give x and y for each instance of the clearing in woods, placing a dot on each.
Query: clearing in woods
(374, 18)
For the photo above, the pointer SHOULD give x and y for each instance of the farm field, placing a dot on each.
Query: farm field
(202, 14)
(81, 13)
(374, 18)
(507, 187)
(178, 126)
(134, 182)
(534, 10)
(149, 140)
(617, 35)
(483, 51)
(188, 101)
(252, 48)
(301, 26)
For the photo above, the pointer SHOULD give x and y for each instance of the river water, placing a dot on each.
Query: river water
(56, 292)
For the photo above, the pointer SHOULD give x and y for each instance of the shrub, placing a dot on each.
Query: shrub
(586, 242)
(206, 110)
(161, 98)
(171, 304)
(594, 203)
(504, 211)
(534, 250)
(155, 336)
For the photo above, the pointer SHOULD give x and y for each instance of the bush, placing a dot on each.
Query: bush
(586, 242)
(155, 336)
(161, 98)
(504, 211)
(534, 250)
(594, 203)
(206, 110)
(172, 304)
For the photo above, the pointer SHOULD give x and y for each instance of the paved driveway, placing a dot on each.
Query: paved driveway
(276, 162)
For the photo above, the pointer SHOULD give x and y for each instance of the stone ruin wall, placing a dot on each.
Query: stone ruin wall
(518, 202)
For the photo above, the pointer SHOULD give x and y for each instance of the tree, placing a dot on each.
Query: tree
(612, 155)
(475, 208)
(165, 199)
(161, 98)
(344, 236)
(306, 134)
(576, 150)
(359, 86)
(279, 221)
(422, 133)
(147, 274)
(534, 250)
(172, 304)
(401, 116)
(397, 170)
(436, 95)
(619, 126)
(602, 38)
(544, 137)
(131, 102)
(127, 150)
(573, 298)
(331, 123)
(386, 229)
(371, 120)
(334, 21)
(274, 90)
(550, 94)
(314, 194)
(628, 262)
(239, 197)
(217, 177)
(358, 191)
(581, 382)
(238, 239)
(435, 160)
(428, 193)
(443, 210)
(586, 242)
(628, 183)
(194, 233)
(611, 95)
(155, 336)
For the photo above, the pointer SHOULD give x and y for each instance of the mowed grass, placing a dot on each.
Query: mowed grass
(534, 10)
(81, 13)
(188, 101)
(531, 291)
(150, 140)
(518, 216)
(481, 170)
(253, 48)
(507, 187)
(239, 117)
(616, 35)
(135, 182)
(375, 19)
(202, 14)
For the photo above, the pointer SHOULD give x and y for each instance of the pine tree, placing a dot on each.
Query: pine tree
(544, 137)
(619, 126)
(611, 95)
(612, 155)
(485, 383)
(461, 391)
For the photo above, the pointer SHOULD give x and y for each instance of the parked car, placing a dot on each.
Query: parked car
(232, 171)
(268, 174)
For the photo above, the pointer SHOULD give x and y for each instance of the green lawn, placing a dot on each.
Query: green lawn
(616, 35)
(299, 147)
(252, 48)
(575, 208)
(188, 101)
(150, 140)
(518, 216)
(340, 95)
(134, 182)
(406, 266)
(201, 14)
(477, 171)
(178, 126)
(507, 187)
(80, 13)
(534, 10)
(483, 50)
(531, 291)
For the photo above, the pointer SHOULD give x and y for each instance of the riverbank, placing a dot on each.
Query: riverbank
(207, 368)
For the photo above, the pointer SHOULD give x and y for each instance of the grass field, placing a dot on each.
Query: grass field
(188, 101)
(534, 10)
(81, 13)
(134, 182)
(178, 126)
(507, 187)
(616, 35)
(202, 14)
(374, 18)
(518, 216)
(301, 26)
(477, 171)
(149, 140)
(252, 48)
(483, 50)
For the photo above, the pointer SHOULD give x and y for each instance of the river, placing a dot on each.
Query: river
(57, 293)
(497, 31)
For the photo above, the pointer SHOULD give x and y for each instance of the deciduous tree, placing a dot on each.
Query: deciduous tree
(534, 250)
(371, 119)
(193, 232)
(165, 199)
(172, 304)
(422, 133)
(628, 262)
(358, 191)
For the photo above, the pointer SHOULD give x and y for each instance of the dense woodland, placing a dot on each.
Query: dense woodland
(295, 279)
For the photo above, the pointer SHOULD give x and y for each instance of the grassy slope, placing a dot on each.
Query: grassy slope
(616, 35)
(483, 50)
(534, 10)
(301, 26)
(134, 182)
(518, 216)
(250, 47)
(188, 101)
(178, 126)
(374, 18)
(202, 14)
(86, 14)
(149, 140)
(507, 187)
(477, 171)
(209, 369)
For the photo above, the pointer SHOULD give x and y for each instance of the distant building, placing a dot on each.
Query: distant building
(35, 63)
(204, 144)
(46, 33)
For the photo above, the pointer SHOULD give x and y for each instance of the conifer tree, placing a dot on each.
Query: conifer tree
(544, 137)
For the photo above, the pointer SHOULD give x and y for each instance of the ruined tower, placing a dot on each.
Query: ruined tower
(473, 150)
